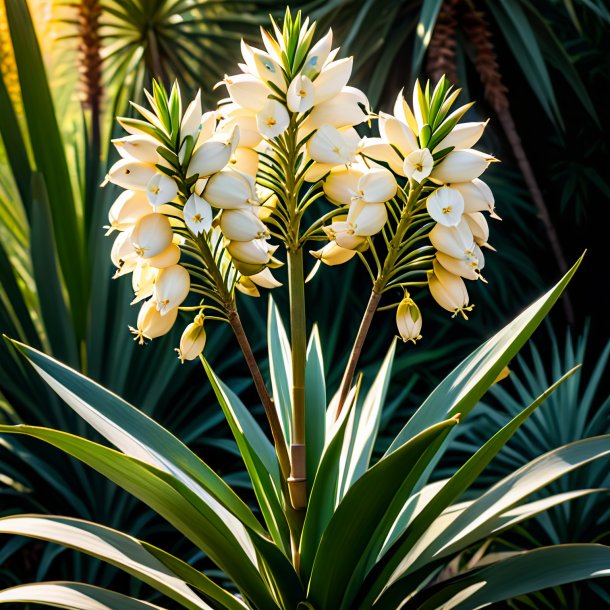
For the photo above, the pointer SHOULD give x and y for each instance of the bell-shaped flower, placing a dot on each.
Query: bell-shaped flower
(143, 281)
(172, 287)
(341, 185)
(129, 174)
(207, 128)
(397, 133)
(272, 119)
(301, 94)
(408, 320)
(457, 241)
(161, 189)
(342, 110)
(197, 215)
(192, 341)
(127, 209)
(211, 157)
(191, 119)
(446, 206)
(332, 79)
(233, 115)
(367, 219)
(466, 267)
(418, 164)
(449, 291)
(265, 279)
(247, 91)
(377, 185)
(477, 197)
(263, 66)
(151, 324)
(141, 148)
(330, 146)
(317, 56)
(403, 113)
(344, 235)
(256, 251)
(123, 254)
(151, 235)
(245, 160)
(461, 166)
(379, 150)
(332, 254)
(231, 189)
(479, 227)
(242, 225)
(465, 135)
(170, 256)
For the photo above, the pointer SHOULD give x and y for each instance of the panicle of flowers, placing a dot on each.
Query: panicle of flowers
(187, 220)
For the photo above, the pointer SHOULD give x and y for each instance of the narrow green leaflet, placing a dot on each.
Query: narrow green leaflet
(315, 405)
(460, 391)
(106, 544)
(280, 364)
(73, 596)
(526, 573)
(423, 32)
(358, 521)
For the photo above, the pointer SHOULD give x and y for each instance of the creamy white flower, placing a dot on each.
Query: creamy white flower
(461, 166)
(192, 340)
(446, 206)
(263, 66)
(210, 157)
(242, 225)
(343, 233)
(192, 117)
(379, 150)
(231, 189)
(397, 133)
(449, 291)
(272, 119)
(151, 235)
(141, 148)
(170, 256)
(143, 281)
(403, 113)
(265, 279)
(127, 209)
(256, 251)
(332, 79)
(301, 94)
(207, 128)
(465, 135)
(245, 120)
(123, 251)
(479, 227)
(367, 218)
(477, 197)
(316, 58)
(418, 164)
(408, 320)
(171, 288)
(131, 174)
(247, 91)
(333, 254)
(245, 160)
(341, 185)
(151, 324)
(197, 215)
(377, 185)
(455, 241)
(466, 267)
(161, 189)
(329, 145)
(342, 110)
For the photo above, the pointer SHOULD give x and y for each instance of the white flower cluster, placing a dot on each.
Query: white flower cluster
(177, 171)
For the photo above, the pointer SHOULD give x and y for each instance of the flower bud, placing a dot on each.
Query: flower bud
(192, 341)
(197, 215)
(272, 119)
(367, 218)
(408, 320)
(161, 189)
(446, 206)
(300, 94)
(128, 208)
(141, 148)
(465, 135)
(449, 291)
(209, 158)
(242, 225)
(151, 324)
(231, 189)
(151, 235)
(172, 287)
(461, 166)
(418, 164)
(192, 118)
(255, 251)
(130, 174)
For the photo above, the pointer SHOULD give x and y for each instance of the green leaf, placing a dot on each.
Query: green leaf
(363, 518)
(116, 548)
(211, 528)
(460, 391)
(280, 364)
(423, 32)
(532, 571)
(315, 406)
(73, 596)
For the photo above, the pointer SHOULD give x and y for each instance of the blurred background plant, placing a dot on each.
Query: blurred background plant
(70, 71)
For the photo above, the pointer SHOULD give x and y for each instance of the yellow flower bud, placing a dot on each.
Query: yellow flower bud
(192, 341)
(408, 320)
(151, 324)
(172, 287)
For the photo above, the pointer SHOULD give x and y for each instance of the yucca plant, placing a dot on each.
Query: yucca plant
(203, 195)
